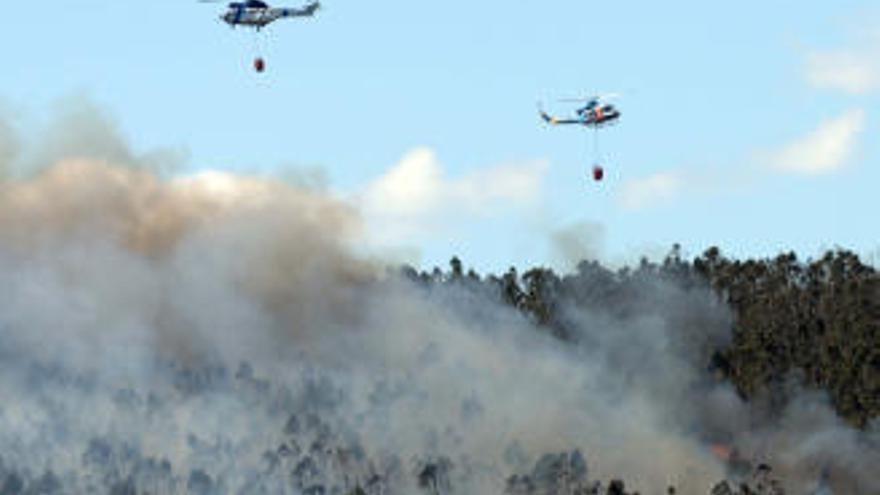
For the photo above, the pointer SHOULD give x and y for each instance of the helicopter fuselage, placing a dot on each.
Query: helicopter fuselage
(600, 116)
(251, 17)
(240, 14)
(595, 115)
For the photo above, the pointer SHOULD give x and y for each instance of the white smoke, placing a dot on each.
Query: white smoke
(191, 335)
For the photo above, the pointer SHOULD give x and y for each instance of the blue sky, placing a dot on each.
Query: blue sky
(751, 125)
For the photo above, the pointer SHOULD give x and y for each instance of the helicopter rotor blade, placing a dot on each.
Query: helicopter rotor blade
(604, 96)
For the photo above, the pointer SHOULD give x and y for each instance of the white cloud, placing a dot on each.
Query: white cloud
(853, 68)
(825, 149)
(227, 188)
(412, 187)
(637, 194)
(854, 72)
(416, 197)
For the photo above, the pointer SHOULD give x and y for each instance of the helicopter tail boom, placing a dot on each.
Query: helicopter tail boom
(307, 11)
(556, 120)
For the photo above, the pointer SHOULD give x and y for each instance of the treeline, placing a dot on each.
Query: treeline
(817, 320)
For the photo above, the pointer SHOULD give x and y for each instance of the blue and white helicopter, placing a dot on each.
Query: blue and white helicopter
(595, 112)
(257, 14)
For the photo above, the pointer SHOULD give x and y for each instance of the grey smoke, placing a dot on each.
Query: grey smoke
(77, 128)
(577, 242)
(9, 144)
(217, 334)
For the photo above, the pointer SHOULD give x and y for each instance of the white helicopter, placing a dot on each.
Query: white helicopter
(257, 14)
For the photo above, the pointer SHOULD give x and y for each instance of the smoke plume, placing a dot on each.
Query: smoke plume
(217, 334)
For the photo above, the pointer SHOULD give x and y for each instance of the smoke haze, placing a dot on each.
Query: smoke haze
(210, 333)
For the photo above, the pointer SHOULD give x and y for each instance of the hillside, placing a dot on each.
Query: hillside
(815, 322)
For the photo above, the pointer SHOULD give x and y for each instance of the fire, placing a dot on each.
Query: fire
(722, 452)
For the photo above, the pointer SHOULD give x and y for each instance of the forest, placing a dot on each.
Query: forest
(338, 420)
(813, 321)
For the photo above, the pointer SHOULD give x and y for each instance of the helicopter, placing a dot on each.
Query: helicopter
(595, 113)
(258, 14)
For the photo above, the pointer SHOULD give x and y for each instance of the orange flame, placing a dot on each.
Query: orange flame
(722, 452)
